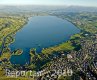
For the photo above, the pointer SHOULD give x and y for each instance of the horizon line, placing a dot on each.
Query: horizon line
(42, 5)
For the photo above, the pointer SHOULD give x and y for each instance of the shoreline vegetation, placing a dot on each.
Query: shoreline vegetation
(17, 52)
(10, 31)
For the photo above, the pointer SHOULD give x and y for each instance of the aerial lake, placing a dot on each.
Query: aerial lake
(41, 32)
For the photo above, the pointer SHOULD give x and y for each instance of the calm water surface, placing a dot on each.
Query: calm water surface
(41, 32)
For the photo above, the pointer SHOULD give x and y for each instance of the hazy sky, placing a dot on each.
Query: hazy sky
(50, 2)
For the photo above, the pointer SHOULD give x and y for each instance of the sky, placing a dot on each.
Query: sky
(50, 2)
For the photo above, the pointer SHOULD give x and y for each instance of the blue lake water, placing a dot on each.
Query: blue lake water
(41, 32)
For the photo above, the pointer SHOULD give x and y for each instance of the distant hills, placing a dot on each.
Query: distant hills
(31, 8)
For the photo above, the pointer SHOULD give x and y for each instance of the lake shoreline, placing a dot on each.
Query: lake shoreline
(13, 34)
(53, 45)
